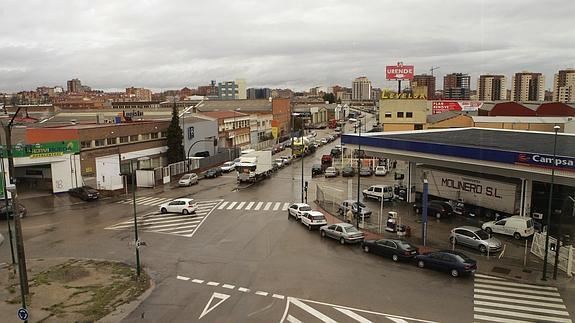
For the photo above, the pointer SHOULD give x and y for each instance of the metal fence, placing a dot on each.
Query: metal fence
(566, 261)
(329, 199)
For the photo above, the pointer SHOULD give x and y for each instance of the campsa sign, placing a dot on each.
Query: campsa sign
(46, 149)
(546, 161)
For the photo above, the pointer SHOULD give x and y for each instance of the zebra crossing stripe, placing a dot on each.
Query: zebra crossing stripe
(277, 206)
(222, 205)
(184, 227)
(521, 290)
(240, 205)
(488, 277)
(267, 207)
(259, 205)
(541, 298)
(185, 231)
(518, 301)
(522, 308)
(523, 315)
(231, 205)
(516, 284)
(495, 319)
(249, 206)
(285, 207)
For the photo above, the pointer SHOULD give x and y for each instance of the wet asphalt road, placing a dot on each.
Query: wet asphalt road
(251, 265)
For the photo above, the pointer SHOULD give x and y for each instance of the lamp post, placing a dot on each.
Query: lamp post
(358, 172)
(234, 141)
(7, 206)
(556, 129)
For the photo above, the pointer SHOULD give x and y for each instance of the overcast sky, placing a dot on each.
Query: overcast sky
(113, 44)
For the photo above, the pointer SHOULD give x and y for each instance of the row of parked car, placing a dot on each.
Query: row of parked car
(349, 171)
(454, 262)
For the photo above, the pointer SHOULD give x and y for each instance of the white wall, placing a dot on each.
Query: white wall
(108, 173)
(66, 174)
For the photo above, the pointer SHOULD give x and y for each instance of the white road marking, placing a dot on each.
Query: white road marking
(197, 281)
(310, 310)
(278, 296)
(523, 315)
(521, 308)
(240, 205)
(515, 284)
(231, 205)
(259, 205)
(518, 301)
(183, 278)
(353, 315)
(488, 277)
(213, 283)
(292, 319)
(244, 290)
(228, 286)
(267, 207)
(190, 228)
(495, 319)
(249, 206)
(184, 227)
(396, 320)
(541, 298)
(521, 290)
(222, 205)
(277, 206)
(285, 207)
(262, 293)
(208, 308)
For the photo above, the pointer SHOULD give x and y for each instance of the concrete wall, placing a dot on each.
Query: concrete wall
(461, 121)
(417, 107)
(202, 130)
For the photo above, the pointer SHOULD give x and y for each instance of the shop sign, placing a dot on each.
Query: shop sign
(399, 72)
(444, 105)
(546, 161)
(408, 96)
(46, 149)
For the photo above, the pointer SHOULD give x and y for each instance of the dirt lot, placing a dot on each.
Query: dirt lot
(71, 290)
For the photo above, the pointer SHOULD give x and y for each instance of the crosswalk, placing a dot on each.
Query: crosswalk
(147, 200)
(254, 206)
(174, 224)
(224, 205)
(500, 300)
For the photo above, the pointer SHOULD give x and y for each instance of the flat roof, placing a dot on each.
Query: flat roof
(510, 140)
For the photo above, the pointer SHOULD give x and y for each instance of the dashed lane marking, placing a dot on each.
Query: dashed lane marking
(259, 205)
(267, 207)
(240, 205)
(231, 205)
(222, 205)
(249, 206)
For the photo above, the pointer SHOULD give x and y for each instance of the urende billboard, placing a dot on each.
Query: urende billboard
(440, 106)
(399, 72)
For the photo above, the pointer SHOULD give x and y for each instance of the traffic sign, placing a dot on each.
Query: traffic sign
(23, 314)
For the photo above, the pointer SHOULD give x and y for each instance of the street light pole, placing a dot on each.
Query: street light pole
(358, 173)
(136, 239)
(556, 128)
(4, 187)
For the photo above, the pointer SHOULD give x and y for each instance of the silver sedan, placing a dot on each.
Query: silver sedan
(475, 238)
(344, 232)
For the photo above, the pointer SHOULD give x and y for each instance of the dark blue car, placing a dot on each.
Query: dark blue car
(455, 262)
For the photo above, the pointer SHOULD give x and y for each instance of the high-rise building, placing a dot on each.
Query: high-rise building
(492, 88)
(427, 81)
(361, 89)
(564, 86)
(527, 86)
(74, 86)
(456, 86)
(263, 93)
(232, 90)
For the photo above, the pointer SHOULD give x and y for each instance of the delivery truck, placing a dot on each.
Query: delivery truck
(471, 193)
(254, 166)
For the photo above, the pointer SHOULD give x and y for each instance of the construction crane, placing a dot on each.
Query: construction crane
(433, 68)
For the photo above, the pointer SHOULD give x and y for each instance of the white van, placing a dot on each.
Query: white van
(379, 192)
(516, 226)
(313, 219)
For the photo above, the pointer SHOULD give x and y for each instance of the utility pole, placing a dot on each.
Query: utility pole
(556, 128)
(358, 174)
(21, 256)
(5, 189)
(136, 239)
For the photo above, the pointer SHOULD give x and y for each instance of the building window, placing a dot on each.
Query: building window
(155, 135)
(146, 136)
(99, 142)
(400, 114)
(123, 139)
(133, 138)
(409, 114)
(86, 144)
(111, 141)
(163, 134)
(418, 127)
(388, 115)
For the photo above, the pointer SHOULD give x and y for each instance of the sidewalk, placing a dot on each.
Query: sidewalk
(504, 267)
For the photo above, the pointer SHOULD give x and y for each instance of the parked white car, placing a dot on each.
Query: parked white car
(188, 179)
(380, 171)
(331, 172)
(516, 226)
(313, 219)
(228, 166)
(184, 206)
(297, 210)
